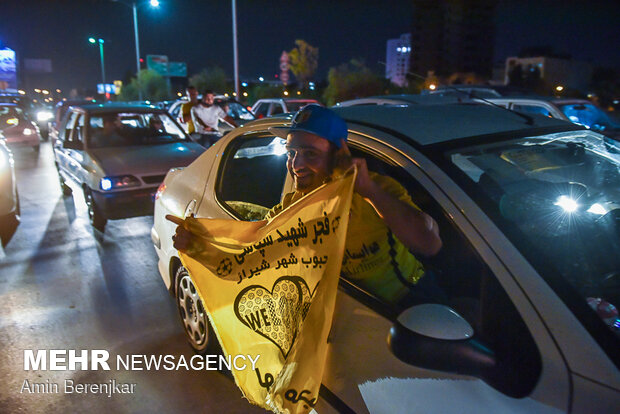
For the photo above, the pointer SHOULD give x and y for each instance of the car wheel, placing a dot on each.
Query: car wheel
(193, 315)
(94, 215)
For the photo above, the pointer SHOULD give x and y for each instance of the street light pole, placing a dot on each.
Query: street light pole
(134, 7)
(235, 51)
(100, 41)
(135, 31)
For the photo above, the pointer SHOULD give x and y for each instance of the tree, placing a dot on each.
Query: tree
(350, 81)
(213, 78)
(304, 60)
(152, 84)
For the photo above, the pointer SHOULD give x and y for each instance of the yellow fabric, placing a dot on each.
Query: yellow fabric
(270, 287)
(186, 109)
(367, 258)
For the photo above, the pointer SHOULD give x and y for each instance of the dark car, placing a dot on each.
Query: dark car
(17, 128)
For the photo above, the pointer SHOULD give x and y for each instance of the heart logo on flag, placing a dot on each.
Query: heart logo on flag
(276, 315)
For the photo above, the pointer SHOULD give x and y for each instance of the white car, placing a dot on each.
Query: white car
(529, 216)
(236, 111)
(119, 171)
(274, 106)
(9, 198)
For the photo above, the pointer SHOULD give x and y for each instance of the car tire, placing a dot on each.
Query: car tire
(97, 220)
(194, 318)
(37, 148)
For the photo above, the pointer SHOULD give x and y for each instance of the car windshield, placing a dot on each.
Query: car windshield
(238, 111)
(557, 197)
(588, 115)
(116, 129)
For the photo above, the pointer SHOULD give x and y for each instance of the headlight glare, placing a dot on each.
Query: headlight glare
(122, 181)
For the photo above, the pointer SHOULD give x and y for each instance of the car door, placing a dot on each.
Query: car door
(363, 374)
(63, 154)
(76, 155)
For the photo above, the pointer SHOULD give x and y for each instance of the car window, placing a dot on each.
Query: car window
(79, 130)
(66, 134)
(557, 197)
(459, 278)
(532, 109)
(276, 108)
(251, 176)
(118, 129)
(262, 109)
(238, 111)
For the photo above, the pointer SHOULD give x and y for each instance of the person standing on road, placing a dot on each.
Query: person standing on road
(206, 117)
(385, 227)
(185, 117)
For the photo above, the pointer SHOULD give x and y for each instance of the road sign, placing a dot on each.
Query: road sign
(177, 69)
(158, 63)
(284, 65)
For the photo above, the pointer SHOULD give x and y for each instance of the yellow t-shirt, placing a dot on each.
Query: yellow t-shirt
(372, 253)
(186, 109)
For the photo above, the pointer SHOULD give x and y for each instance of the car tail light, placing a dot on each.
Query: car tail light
(160, 190)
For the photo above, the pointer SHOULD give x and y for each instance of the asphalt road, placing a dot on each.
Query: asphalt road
(62, 287)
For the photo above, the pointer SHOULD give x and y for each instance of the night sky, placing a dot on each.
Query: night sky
(200, 33)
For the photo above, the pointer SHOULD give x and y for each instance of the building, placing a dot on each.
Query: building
(397, 59)
(552, 71)
(449, 36)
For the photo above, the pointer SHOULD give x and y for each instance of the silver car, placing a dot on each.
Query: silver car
(118, 155)
(529, 215)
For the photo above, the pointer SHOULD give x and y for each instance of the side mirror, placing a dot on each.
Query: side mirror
(74, 145)
(436, 337)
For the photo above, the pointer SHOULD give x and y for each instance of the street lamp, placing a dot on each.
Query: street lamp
(100, 41)
(134, 7)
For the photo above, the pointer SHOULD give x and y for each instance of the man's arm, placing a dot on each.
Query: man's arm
(414, 228)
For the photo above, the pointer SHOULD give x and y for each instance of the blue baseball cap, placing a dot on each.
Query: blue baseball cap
(316, 120)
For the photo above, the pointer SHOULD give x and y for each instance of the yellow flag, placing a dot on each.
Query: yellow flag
(270, 288)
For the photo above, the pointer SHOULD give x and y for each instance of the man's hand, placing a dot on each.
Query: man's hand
(182, 239)
(364, 185)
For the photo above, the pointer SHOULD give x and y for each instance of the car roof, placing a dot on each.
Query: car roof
(550, 99)
(405, 99)
(118, 107)
(433, 124)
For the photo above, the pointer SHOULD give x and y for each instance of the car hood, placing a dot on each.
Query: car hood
(140, 160)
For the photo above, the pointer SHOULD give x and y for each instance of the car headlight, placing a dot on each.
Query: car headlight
(123, 181)
(27, 131)
(43, 116)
